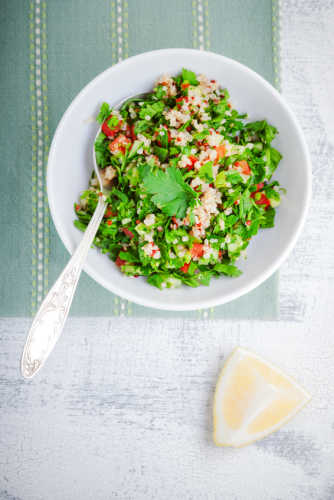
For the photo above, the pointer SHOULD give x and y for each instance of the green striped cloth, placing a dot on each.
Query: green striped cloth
(50, 50)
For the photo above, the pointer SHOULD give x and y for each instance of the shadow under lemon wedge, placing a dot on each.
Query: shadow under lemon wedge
(252, 399)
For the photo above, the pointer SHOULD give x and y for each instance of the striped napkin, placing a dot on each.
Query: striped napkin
(50, 50)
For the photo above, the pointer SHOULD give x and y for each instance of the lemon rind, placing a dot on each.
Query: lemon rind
(307, 399)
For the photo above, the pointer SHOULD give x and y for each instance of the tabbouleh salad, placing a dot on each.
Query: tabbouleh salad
(189, 179)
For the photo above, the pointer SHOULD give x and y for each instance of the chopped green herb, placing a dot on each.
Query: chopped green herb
(189, 77)
(104, 113)
(171, 193)
(191, 183)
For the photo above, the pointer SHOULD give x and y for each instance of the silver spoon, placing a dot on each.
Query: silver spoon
(50, 319)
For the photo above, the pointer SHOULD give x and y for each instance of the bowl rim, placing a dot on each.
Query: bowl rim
(205, 303)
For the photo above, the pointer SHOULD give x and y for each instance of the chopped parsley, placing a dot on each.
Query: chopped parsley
(171, 194)
(189, 179)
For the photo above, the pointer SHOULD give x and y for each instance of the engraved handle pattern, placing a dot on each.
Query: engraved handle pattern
(51, 316)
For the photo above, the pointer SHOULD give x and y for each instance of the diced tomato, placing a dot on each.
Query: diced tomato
(156, 136)
(120, 262)
(174, 220)
(106, 130)
(185, 85)
(193, 160)
(185, 267)
(259, 186)
(221, 151)
(109, 222)
(263, 200)
(248, 222)
(134, 137)
(220, 253)
(127, 232)
(137, 221)
(236, 202)
(179, 99)
(131, 132)
(77, 207)
(111, 132)
(197, 250)
(108, 213)
(244, 166)
(118, 144)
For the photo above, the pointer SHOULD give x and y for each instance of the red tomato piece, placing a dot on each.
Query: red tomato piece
(244, 166)
(263, 201)
(193, 160)
(111, 132)
(130, 132)
(221, 151)
(185, 267)
(197, 250)
(127, 232)
(120, 262)
(133, 135)
(118, 144)
(108, 213)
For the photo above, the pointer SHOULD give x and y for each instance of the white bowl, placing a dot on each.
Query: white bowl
(70, 165)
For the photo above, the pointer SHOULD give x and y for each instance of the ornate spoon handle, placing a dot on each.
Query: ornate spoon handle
(50, 319)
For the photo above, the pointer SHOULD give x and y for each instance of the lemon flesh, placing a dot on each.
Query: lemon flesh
(252, 399)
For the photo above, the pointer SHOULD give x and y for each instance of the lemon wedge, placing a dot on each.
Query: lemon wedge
(252, 399)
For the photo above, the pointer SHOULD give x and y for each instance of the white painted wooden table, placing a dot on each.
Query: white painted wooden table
(123, 407)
